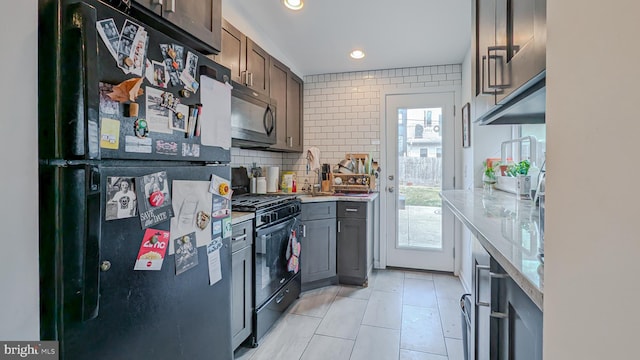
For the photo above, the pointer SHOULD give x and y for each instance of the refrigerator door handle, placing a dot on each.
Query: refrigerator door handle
(79, 82)
(92, 264)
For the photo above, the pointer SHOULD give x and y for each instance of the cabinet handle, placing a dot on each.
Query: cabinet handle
(239, 238)
(496, 87)
(304, 231)
(351, 210)
(498, 315)
(243, 77)
(482, 90)
(338, 225)
(290, 141)
(477, 286)
(171, 7)
(498, 276)
(250, 79)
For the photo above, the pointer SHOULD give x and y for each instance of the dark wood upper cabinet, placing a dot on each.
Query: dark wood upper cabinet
(197, 21)
(153, 5)
(248, 62)
(286, 88)
(258, 61)
(294, 113)
(509, 51)
(234, 49)
(253, 67)
(278, 76)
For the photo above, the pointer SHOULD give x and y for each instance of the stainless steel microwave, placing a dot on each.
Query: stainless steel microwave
(253, 118)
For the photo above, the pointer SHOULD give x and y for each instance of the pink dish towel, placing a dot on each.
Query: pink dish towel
(293, 253)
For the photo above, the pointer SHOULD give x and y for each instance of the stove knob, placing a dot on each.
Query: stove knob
(265, 219)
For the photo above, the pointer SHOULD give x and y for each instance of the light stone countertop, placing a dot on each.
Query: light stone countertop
(304, 198)
(239, 216)
(508, 229)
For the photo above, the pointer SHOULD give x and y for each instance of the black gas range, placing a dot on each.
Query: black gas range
(275, 287)
(268, 208)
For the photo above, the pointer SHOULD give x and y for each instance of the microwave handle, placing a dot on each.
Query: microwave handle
(268, 120)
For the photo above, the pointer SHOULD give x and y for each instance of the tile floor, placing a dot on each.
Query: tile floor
(402, 315)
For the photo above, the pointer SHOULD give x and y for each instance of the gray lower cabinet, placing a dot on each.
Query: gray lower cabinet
(518, 323)
(241, 281)
(318, 258)
(355, 241)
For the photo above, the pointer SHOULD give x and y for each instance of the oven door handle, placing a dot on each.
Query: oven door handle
(273, 228)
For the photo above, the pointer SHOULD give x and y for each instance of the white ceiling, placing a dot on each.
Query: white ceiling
(393, 34)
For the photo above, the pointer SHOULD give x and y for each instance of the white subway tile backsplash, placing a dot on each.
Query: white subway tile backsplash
(342, 111)
(410, 79)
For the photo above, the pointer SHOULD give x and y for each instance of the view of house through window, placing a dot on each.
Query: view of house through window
(420, 177)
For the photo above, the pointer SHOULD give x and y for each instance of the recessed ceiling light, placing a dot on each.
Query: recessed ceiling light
(357, 54)
(293, 4)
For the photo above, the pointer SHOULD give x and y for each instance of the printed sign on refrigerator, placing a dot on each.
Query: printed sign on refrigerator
(152, 251)
(213, 257)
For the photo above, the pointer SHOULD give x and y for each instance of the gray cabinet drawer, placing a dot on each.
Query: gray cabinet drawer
(320, 210)
(350, 209)
(241, 235)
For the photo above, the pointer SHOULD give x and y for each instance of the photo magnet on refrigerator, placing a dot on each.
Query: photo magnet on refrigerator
(186, 252)
(121, 195)
(154, 201)
(152, 251)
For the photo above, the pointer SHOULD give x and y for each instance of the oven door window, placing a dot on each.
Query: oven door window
(271, 262)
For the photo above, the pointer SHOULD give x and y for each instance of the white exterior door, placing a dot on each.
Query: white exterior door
(419, 132)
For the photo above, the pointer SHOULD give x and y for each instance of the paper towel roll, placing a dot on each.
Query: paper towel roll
(273, 175)
(261, 185)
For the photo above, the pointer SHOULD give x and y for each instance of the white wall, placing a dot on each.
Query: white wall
(246, 158)
(463, 235)
(233, 13)
(19, 294)
(592, 244)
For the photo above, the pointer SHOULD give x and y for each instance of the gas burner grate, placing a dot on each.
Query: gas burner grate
(255, 202)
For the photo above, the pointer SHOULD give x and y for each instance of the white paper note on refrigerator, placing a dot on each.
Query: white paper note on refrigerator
(213, 256)
(215, 119)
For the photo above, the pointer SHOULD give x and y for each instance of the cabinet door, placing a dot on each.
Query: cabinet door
(318, 258)
(485, 69)
(278, 74)
(521, 331)
(481, 302)
(521, 32)
(352, 237)
(233, 52)
(153, 5)
(241, 295)
(200, 18)
(294, 112)
(258, 68)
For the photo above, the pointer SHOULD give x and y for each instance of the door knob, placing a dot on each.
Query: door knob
(391, 177)
(390, 189)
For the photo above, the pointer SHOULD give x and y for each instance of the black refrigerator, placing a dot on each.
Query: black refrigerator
(115, 137)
